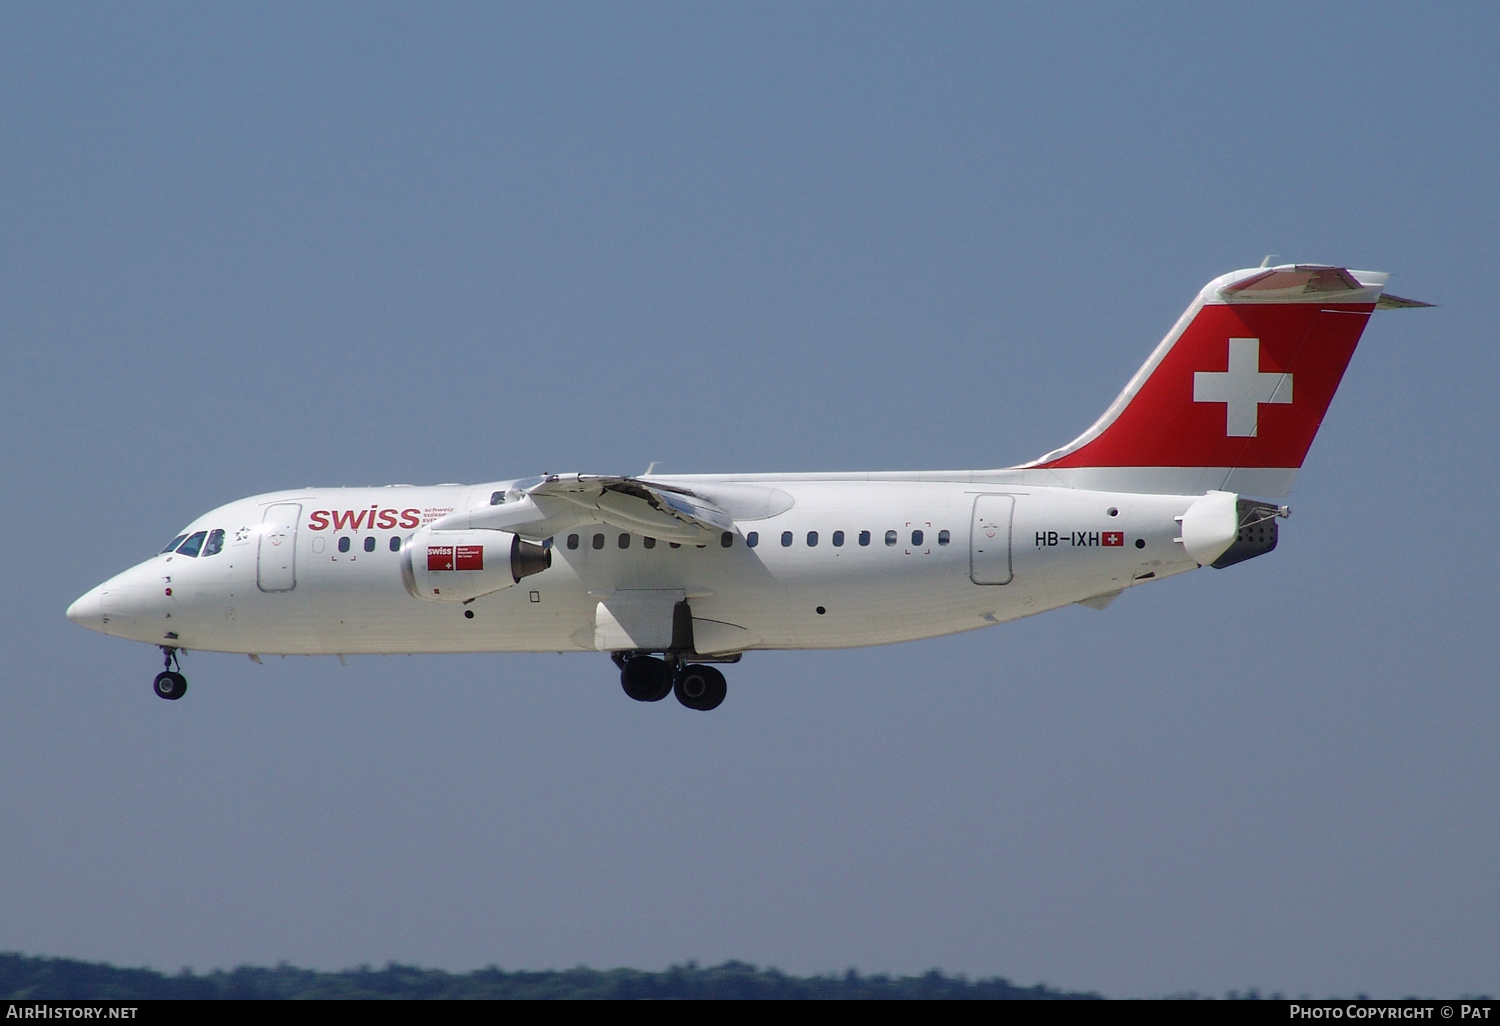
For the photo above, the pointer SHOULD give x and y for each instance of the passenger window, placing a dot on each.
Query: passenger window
(674, 545)
(838, 539)
(172, 544)
(396, 544)
(370, 543)
(598, 541)
(890, 537)
(752, 539)
(193, 544)
(215, 543)
(650, 543)
(944, 537)
(864, 537)
(916, 537)
(344, 544)
(812, 539)
(572, 541)
(726, 539)
(786, 539)
(624, 541)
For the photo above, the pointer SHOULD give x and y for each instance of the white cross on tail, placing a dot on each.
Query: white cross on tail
(1243, 388)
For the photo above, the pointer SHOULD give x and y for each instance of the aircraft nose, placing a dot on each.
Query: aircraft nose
(88, 610)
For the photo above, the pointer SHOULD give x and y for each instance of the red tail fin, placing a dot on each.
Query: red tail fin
(1233, 396)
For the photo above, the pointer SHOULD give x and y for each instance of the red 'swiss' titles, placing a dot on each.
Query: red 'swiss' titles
(372, 519)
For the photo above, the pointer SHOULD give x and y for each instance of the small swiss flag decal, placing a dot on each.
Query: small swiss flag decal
(1113, 538)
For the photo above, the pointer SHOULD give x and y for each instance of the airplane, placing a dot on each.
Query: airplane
(673, 575)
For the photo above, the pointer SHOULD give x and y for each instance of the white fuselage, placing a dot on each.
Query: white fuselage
(871, 559)
(668, 574)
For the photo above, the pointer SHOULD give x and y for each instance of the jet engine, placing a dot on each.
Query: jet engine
(456, 566)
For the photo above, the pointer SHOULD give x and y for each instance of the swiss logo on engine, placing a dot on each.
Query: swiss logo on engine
(455, 557)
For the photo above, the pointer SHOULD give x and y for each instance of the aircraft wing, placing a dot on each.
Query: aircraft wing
(648, 508)
(560, 502)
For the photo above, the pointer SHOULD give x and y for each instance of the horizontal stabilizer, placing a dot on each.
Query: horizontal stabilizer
(1390, 302)
(1299, 282)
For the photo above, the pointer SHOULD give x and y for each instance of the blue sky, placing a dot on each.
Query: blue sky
(247, 248)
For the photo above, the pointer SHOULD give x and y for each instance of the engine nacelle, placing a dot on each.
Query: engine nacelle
(456, 566)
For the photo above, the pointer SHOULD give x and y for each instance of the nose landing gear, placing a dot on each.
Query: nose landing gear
(170, 684)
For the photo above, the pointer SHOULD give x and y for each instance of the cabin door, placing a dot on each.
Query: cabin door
(276, 558)
(989, 539)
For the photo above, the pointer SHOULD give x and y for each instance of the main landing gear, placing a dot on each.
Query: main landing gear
(170, 684)
(648, 679)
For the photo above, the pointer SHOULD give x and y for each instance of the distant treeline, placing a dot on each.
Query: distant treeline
(37, 979)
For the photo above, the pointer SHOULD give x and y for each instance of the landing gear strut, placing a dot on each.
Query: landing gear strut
(169, 683)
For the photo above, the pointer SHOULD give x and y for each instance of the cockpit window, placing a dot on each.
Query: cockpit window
(215, 543)
(192, 545)
(173, 544)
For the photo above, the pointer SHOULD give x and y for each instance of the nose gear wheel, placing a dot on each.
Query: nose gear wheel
(170, 683)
